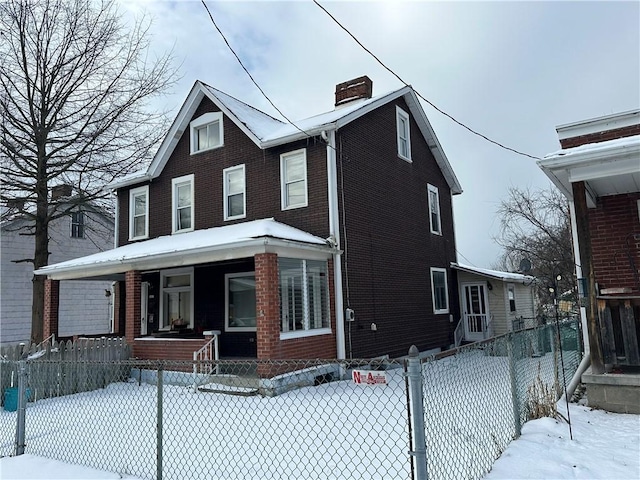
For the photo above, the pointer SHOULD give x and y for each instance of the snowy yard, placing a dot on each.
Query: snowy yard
(336, 430)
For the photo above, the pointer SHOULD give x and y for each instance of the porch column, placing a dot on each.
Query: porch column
(51, 307)
(133, 310)
(586, 262)
(267, 305)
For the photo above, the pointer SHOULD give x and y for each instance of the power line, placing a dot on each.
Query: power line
(248, 73)
(418, 93)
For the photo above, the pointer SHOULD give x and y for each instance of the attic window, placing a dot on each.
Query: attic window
(77, 224)
(206, 132)
(404, 138)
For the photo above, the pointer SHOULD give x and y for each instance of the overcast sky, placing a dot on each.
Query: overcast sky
(511, 70)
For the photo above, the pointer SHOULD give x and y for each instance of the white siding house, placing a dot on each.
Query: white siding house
(85, 308)
(492, 302)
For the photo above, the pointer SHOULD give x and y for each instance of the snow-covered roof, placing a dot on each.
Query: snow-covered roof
(266, 131)
(498, 275)
(200, 246)
(611, 167)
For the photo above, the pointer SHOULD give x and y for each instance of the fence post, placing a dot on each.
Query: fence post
(514, 386)
(159, 424)
(21, 405)
(419, 453)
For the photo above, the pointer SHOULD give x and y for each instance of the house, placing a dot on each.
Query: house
(493, 303)
(86, 308)
(598, 170)
(332, 237)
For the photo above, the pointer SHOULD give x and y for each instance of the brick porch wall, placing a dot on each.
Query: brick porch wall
(133, 309)
(51, 307)
(160, 349)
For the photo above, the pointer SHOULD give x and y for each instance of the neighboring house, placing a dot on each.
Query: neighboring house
(85, 309)
(598, 170)
(329, 238)
(493, 303)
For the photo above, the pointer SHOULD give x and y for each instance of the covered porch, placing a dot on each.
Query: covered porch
(255, 290)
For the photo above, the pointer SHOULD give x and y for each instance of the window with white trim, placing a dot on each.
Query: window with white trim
(304, 296)
(439, 290)
(182, 204)
(176, 292)
(434, 210)
(139, 213)
(293, 179)
(511, 296)
(240, 302)
(206, 132)
(234, 192)
(77, 224)
(403, 134)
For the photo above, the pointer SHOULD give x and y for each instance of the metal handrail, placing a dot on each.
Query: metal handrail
(458, 333)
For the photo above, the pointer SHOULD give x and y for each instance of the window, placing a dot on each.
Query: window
(176, 308)
(511, 295)
(206, 132)
(439, 290)
(293, 179)
(138, 213)
(234, 193)
(304, 297)
(77, 225)
(404, 138)
(240, 311)
(182, 213)
(434, 210)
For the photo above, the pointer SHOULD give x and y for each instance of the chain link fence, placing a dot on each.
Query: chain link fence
(332, 419)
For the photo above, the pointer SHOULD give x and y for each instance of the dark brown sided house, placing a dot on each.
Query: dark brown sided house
(331, 238)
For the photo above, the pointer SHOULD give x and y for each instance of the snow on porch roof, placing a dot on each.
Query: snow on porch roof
(504, 276)
(200, 246)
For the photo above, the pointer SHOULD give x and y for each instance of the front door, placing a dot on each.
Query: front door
(475, 310)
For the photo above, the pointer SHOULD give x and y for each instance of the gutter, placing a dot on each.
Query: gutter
(334, 230)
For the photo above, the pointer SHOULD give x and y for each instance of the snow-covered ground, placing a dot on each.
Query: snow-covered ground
(604, 446)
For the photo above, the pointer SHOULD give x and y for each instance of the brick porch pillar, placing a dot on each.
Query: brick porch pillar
(133, 310)
(267, 306)
(51, 307)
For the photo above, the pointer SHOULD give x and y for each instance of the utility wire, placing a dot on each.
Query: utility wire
(248, 73)
(418, 93)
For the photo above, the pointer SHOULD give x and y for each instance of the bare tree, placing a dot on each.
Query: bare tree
(535, 225)
(75, 86)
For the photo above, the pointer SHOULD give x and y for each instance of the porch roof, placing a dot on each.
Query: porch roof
(229, 242)
(496, 274)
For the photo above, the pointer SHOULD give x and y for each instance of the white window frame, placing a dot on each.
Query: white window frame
(80, 225)
(307, 330)
(401, 116)
(283, 179)
(202, 121)
(225, 192)
(433, 290)
(175, 183)
(165, 324)
(436, 229)
(133, 193)
(511, 289)
(227, 327)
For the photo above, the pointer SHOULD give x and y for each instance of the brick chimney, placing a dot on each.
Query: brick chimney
(346, 92)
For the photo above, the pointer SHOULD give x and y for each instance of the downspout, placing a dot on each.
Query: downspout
(334, 231)
(586, 359)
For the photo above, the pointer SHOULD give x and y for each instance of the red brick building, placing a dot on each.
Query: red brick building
(269, 234)
(598, 170)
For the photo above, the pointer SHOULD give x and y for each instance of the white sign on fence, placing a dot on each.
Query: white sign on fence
(369, 377)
